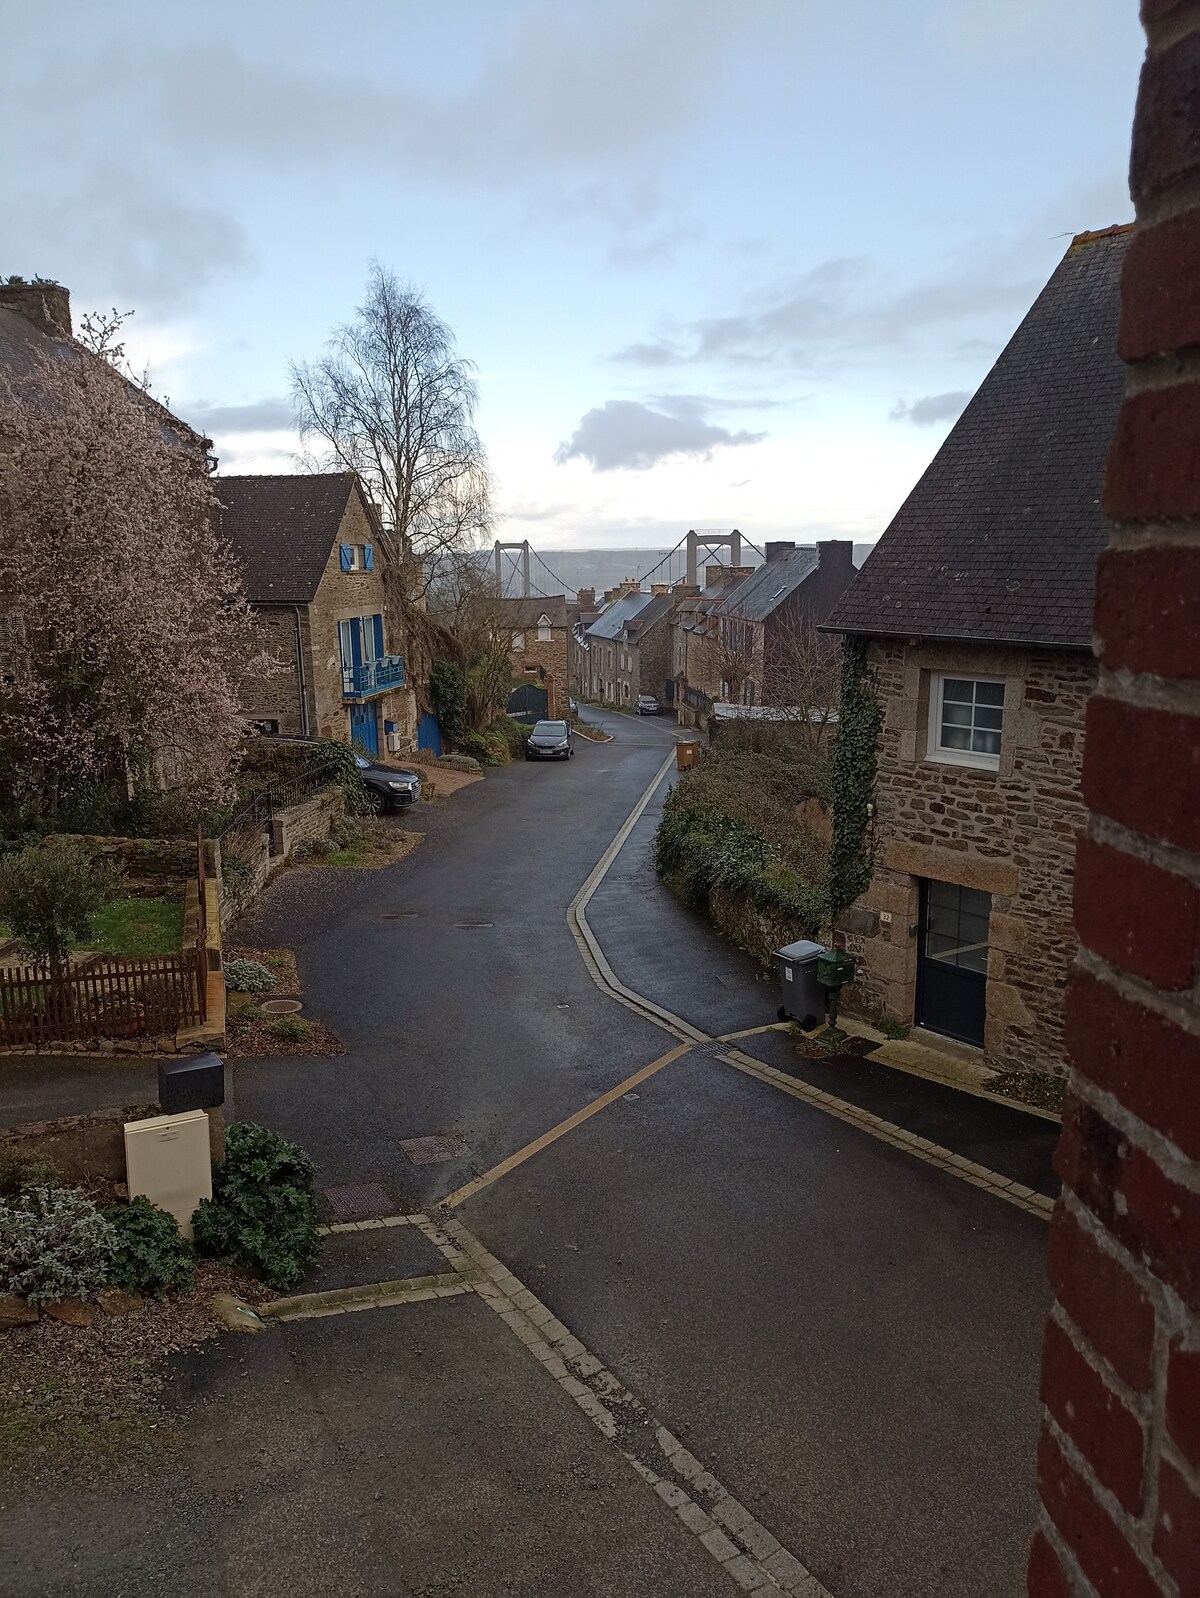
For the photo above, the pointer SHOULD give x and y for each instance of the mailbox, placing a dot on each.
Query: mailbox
(835, 968)
(191, 1083)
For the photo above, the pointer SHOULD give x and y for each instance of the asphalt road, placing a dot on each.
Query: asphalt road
(845, 1336)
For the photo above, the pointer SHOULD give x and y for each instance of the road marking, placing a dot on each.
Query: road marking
(748, 1553)
(919, 1148)
(755, 1031)
(469, 1189)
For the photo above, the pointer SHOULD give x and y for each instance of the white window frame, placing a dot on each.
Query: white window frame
(518, 642)
(935, 750)
(356, 564)
(543, 630)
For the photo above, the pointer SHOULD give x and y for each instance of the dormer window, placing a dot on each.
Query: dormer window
(543, 631)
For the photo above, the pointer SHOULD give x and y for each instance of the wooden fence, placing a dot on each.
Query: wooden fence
(108, 996)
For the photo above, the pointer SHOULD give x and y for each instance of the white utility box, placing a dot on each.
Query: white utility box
(167, 1160)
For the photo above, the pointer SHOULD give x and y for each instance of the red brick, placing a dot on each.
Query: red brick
(1105, 1430)
(1160, 290)
(1166, 124)
(1177, 1535)
(1102, 1299)
(1142, 767)
(1136, 915)
(1104, 1555)
(1149, 1064)
(1045, 1578)
(1183, 1400)
(1153, 469)
(1148, 608)
(1153, 1217)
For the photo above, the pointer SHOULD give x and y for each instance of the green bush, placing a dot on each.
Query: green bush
(54, 1244)
(152, 1256)
(48, 896)
(448, 693)
(348, 833)
(262, 1215)
(292, 1027)
(513, 734)
(248, 976)
(21, 1169)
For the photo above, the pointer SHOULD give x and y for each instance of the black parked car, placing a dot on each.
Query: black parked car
(387, 787)
(550, 740)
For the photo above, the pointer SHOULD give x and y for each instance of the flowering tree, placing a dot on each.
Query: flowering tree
(122, 622)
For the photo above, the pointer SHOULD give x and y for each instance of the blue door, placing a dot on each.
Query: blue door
(364, 728)
(429, 735)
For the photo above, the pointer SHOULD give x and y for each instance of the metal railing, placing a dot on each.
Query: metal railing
(373, 676)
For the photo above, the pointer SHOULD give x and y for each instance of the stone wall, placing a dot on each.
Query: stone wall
(155, 868)
(245, 860)
(1010, 833)
(549, 654)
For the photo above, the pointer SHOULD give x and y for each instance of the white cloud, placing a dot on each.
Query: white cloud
(627, 434)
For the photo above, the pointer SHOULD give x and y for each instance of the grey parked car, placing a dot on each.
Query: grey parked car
(386, 786)
(648, 705)
(550, 740)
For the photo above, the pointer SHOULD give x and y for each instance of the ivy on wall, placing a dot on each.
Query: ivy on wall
(852, 778)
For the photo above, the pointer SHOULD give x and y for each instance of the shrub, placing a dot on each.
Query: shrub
(292, 1027)
(348, 833)
(312, 848)
(484, 747)
(262, 1215)
(151, 1255)
(513, 733)
(54, 1244)
(248, 976)
(22, 1168)
(48, 896)
(448, 693)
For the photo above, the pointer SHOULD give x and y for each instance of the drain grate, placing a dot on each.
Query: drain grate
(280, 1006)
(432, 1150)
(400, 915)
(357, 1201)
(470, 925)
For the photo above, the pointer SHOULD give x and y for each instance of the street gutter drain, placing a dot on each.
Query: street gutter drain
(471, 925)
(357, 1201)
(433, 1150)
(400, 915)
(280, 1006)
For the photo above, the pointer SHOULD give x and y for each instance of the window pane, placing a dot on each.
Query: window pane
(956, 715)
(986, 743)
(975, 902)
(958, 688)
(939, 947)
(974, 960)
(956, 737)
(989, 693)
(989, 716)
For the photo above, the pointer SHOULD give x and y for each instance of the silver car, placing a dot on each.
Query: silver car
(550, 740)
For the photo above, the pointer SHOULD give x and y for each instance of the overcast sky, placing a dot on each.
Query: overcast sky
(719, 262)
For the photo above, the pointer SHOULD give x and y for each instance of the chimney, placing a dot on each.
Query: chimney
(835, 552)
(631, 585)
(781, 546)
(46, 305)
(686, 590)
(659, 588)
(585, 598)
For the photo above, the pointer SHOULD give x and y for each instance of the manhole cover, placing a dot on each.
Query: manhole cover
(280, 1006)
(357, 1201)
(469, 925)
(430, 1150)
(400, 915)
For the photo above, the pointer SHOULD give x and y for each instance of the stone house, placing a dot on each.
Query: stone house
(610, 649)
(975, 609)
(538, 633)
(311, 555)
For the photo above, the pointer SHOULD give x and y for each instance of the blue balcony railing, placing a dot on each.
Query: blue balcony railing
(373, 677)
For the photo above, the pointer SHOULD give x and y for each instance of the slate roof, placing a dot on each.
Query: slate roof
(613, 617)
(282, 529)
(524, 614)
(755, 597)
(998, 541)
(659, 606)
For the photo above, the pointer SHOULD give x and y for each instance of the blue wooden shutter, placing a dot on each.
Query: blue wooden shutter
(368, 557)
(346, 557)
(378, 625)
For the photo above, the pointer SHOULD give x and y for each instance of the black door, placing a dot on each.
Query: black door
(952, 960)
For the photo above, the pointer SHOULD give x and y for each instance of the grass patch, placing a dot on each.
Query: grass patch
(137, 926)
(1038, 1088)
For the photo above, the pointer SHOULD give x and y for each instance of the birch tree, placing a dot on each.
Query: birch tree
(392, 400)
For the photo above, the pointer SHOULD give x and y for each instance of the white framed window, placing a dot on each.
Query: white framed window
(518, 641)
(966, 717)
(543, 629)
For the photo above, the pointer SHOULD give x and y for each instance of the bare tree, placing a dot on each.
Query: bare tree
(801, 675)
(392, 400)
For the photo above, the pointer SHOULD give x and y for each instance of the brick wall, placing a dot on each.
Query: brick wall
(1010, 833)
(1119, 1460)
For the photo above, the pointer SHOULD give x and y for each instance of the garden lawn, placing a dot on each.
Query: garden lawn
(136, 926)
